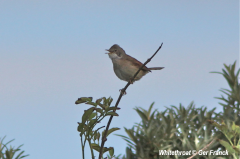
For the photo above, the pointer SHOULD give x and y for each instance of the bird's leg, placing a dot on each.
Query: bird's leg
(131, 81)
(122, 92)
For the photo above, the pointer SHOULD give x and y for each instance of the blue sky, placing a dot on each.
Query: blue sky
(52, 52)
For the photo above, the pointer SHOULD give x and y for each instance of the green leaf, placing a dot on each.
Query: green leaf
(112, 108)
(149, 110)
(112, 113)
(99, 110)
(105, 149)
(91, 103)
(227, 146)
(92, 116)
(111, 151)
(142, 115)
(98, 100)
(217, 72)
(83, 100)
(86, 114)
(80, 127)
(92, 122)
(237, 129)
(105, 103)
(233, 126)
(112, 130)
(215, 124)
(237, 148)
(102, 106)
(110, 100)
(95, 147)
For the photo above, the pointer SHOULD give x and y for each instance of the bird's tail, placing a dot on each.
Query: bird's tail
(155, 68)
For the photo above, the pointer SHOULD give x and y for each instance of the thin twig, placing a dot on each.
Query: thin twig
(104, 139)
(202, 149)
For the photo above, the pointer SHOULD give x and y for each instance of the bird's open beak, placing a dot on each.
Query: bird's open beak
(108, 51)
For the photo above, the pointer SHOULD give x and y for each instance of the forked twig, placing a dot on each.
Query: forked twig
(104, 139)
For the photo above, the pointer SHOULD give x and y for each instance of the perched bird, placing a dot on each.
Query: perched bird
(126, 66)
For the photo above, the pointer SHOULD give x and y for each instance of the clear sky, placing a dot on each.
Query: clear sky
(53, 52)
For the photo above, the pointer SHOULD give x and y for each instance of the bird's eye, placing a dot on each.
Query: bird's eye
(115, 50)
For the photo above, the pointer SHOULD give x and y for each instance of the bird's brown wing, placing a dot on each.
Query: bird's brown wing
(136, 63)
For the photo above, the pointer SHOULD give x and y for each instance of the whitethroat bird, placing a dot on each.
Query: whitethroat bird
(126, 66)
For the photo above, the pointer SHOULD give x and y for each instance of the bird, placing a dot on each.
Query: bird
(125, 66)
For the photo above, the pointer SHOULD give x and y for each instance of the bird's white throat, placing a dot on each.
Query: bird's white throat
(114, 56)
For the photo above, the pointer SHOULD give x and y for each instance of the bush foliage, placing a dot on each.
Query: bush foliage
(189, 128)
